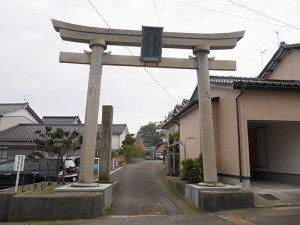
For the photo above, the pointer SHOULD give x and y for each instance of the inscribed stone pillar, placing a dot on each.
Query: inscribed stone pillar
(86, 173)
(206, 118)
(105, 143)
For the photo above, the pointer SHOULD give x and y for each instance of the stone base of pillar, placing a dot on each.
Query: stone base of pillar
(84, 185)
(108, 190)
(214, 199)
(204, 184)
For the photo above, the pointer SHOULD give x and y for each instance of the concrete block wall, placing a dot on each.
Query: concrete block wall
(59, 206)
(4, 206)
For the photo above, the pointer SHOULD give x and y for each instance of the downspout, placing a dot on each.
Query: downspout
(237, 101)
(178, 124)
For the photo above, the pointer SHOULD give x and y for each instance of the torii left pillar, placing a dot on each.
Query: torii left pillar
(86, 172)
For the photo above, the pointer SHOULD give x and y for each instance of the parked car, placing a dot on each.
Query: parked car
(159, 155)
(31, 174)
(35, 170)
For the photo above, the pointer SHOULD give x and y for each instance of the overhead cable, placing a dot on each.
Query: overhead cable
(252, 10)
(156, 12)
(99, 14)
(225, 13)
(147, 71)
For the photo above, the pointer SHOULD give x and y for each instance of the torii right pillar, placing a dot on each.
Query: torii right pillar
(207, 141)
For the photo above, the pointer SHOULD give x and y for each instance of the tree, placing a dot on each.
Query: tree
(131, 147)
(129, 139)
(150, 134)
(138, 149)
(56, 143)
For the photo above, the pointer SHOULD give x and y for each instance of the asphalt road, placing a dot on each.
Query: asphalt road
(140, 192)
(145, 198)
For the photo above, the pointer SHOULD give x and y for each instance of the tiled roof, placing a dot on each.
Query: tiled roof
(254, 83)
(61, 119)
(284, 49)
(11, 107)
(26, 132)
(243, 83)
(177, 109)
(118, 128)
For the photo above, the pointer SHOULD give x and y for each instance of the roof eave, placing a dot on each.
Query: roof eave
(266, 87)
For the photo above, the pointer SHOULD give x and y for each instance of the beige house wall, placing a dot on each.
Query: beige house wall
(254, 106)
(190, 127)
(265, 106)
(270, 105)
(288, 68)
(228, 162)
(190, 133)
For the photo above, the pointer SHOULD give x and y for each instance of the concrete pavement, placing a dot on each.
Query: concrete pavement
(267, 194)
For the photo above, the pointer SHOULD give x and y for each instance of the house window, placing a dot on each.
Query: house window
(3, 152)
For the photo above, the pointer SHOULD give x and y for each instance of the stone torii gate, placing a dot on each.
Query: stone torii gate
(99, 38)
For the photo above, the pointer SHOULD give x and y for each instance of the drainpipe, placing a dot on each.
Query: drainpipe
(178, 124)
(237, 101)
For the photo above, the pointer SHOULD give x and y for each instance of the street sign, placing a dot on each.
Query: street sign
(18, 166)
(19, 162)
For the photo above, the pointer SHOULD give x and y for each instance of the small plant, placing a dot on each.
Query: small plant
(192, 170)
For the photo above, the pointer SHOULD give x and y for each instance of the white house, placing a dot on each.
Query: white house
(12, 114)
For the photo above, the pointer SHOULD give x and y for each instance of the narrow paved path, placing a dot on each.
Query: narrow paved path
(140, 192)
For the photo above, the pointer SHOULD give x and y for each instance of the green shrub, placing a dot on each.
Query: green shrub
(192, 170)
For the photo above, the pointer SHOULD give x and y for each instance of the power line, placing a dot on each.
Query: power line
(158, 19)
(99, 14)
(156, 12)
(252, 10)
(225, 13)
(147, 71)
(156, 81)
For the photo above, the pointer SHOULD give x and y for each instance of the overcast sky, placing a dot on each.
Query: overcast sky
(29, 51)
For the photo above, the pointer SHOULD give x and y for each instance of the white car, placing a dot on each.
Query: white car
(159, 155)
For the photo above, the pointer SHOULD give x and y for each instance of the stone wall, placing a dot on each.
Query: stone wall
(57, 206)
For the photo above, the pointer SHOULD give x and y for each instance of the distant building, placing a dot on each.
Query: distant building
(19, 140)
(160, 148)
(18, 123)
(12, 114)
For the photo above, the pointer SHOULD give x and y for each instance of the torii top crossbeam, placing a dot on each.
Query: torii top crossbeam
(84, 34)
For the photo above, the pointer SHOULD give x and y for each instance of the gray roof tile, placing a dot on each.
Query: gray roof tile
(26, 132)
(11, 107)
(61, 119)
(254, 83)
